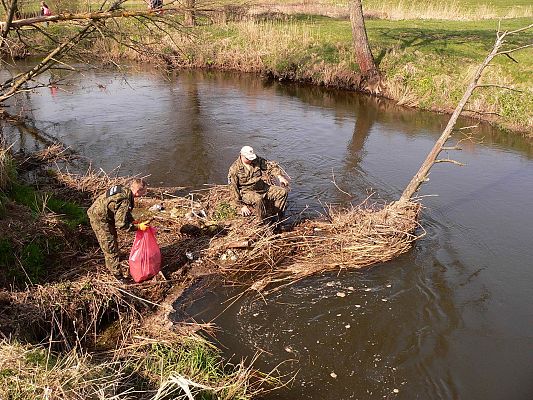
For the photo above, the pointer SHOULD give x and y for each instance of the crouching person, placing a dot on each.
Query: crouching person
(112, 211)
(248, 179)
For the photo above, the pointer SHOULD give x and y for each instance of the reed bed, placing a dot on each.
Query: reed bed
(7, 169)
(203, 231)
(352, 238)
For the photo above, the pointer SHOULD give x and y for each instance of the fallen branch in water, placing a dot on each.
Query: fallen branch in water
(422, 174)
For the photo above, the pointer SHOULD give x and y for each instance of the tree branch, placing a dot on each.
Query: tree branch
(431, 158)
(448, 160)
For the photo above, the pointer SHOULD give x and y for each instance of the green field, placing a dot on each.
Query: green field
(387, 9)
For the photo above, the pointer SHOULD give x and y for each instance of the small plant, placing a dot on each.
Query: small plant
(224, 211)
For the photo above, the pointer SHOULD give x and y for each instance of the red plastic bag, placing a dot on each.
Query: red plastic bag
(145, 256)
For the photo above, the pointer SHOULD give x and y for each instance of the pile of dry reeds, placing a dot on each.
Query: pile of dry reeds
(242, 248)
(92, 182)
(350, 238)
(71, 312)
(6, 167)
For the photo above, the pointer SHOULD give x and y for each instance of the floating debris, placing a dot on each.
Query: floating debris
(347, 326)
(341, 294)
(333, 375)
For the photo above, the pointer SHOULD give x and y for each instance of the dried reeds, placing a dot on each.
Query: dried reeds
(33, 372)
(350, 238)
(92, 182)
(71, 312)
(7, 168)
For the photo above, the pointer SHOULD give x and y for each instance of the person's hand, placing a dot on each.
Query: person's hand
(283, 181)
(143, 225)
(245, 211)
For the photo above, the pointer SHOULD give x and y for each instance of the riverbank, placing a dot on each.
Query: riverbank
(68, 329)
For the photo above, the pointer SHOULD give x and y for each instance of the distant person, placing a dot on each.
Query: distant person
(112, 210)
(45, 10)
(249, 180)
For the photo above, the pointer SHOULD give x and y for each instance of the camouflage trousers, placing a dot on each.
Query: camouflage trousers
(269, 203)
(106, 234)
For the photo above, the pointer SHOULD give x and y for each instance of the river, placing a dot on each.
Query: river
(451, 319)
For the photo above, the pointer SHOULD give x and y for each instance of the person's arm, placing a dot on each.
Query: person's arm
(123, 217)
(273, 169)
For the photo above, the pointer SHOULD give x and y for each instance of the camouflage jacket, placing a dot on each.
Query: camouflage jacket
(241, 178)
(114, 206)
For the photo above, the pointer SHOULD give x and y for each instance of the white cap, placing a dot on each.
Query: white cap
(248, 153)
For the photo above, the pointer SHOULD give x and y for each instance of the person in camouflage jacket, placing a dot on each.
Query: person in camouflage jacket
(248, 179)
(112, 211)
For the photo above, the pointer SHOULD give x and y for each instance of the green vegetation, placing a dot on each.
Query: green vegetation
(426, 63)
(39, 202)
(426, 50)
(33, 372)
(224, 211)
(26, 256)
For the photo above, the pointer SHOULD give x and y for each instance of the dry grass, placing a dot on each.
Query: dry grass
(6, 168)
(32, 372)
(394, 10)
(92, 182)
(350, 238)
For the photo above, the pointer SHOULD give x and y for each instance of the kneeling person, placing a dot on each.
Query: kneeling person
(247, 179)
(112, 210)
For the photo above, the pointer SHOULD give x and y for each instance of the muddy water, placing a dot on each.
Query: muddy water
(451, 319)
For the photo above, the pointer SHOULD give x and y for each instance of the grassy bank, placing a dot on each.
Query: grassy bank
(145, 369)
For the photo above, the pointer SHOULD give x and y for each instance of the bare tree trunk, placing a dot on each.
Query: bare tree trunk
(7, 24)
(190, 17)
(431, 159)
(370, 76)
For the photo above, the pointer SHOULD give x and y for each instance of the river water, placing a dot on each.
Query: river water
(451, 319)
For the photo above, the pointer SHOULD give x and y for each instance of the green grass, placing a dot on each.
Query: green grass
(426, 63)
(224, 211)
(28, 259)
(29, 262)
(72, 213)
